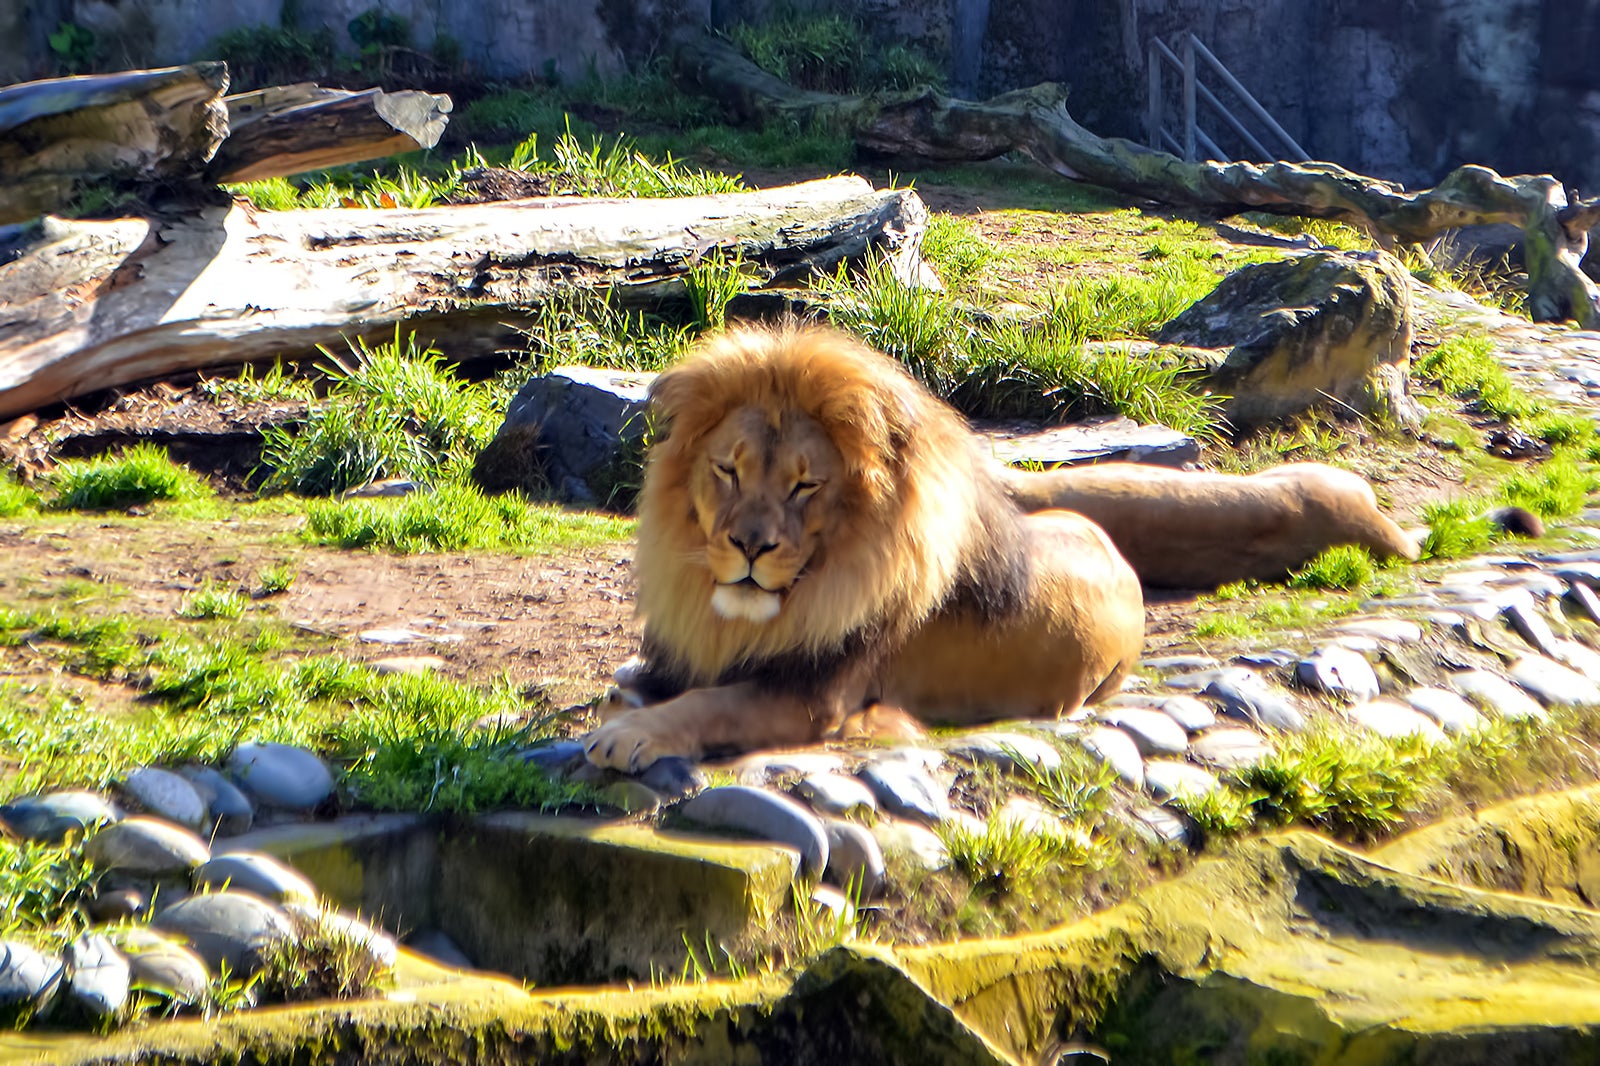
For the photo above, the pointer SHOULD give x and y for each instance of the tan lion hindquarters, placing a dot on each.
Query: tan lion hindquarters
(1075, 637)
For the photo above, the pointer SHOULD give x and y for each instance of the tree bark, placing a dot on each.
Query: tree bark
(926, 125)
(86, 305)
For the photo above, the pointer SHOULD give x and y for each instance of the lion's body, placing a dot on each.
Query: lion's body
(817, 532)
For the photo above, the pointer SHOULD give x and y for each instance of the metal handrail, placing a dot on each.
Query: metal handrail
(1195, 93)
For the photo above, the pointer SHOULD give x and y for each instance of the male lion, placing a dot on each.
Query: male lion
(818, 533)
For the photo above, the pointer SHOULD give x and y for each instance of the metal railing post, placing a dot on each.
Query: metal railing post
(1188, 99)
(1152, 115)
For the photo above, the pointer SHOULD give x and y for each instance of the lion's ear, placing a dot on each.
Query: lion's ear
(682, 402)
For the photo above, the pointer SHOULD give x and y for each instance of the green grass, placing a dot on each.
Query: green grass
(213, 601)
(41, 886)
(1345, 568)
(277, 578)
(326, 963)
(138, 475)
(1464, 366)
(956, 250)
(920, 327)
(1131, 306)
(15, 498)
(1556, 488)
(456, 517)
(1457, 528)
(1267, 611)
(831, 53)
(278, 384)
(1005, 856)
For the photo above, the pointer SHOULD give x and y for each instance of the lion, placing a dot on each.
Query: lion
(820, 537)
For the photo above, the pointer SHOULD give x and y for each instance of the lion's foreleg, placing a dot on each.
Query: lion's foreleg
(727, 718)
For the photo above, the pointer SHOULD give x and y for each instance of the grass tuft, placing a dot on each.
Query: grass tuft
(213, 601)
(1464, 366)
(15, 498)
(1005, 855)
(1345, 567)
(139, 475)
(1457, 528)
(1556, 488)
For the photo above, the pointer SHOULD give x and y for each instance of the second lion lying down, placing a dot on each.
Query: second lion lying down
(818, 534)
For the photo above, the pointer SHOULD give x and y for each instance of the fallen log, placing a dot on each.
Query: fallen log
(86, 305)
(926, 125)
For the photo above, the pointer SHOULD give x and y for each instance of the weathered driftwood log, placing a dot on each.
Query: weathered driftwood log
(290, 129)
(145, 125)
(925, 124)
(85, 305)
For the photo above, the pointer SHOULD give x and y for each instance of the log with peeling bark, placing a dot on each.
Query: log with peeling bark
(86, 305)
(924, 124)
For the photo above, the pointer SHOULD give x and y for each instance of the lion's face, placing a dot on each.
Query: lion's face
(762, 495)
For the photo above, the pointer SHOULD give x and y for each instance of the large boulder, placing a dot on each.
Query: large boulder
(1322, 329)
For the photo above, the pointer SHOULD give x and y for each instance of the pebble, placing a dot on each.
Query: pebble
(835, 904)
(440, 948)
(1197, 681)
(1338, 672)
(405, 636)
(281, 775)
(1526, 622)
(855, 859)
(1580, 657)
(1230, 749)
(165, 795)
(1453, 713)
(159, 965)
(230, 809)
(114, 905)
(52, 817)
(1388, 630)
(1584, 600)
(1160, 826)
(1496, 694)
(1394, 720)
(379, 946)
(1166, 778)
(98, 976)
(1553, 684)
(261, 875)
(1273, 659)
(146, 847)
(916, 842)
(555, 758)
(1579, 572)
(1246, 694)
(227, 927)
(837, 795)
(1007, 751)
(673, 778)
(1153, 732)
(1179, 662)
(765, 815)
(1028, 815)
(759, 769)
(906, 790)
(1117, 750)
(1192, 714)
(630, 796)
(926, 758)
(29, 980)
(408, 664)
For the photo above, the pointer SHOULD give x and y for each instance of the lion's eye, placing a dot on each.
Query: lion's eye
(727, 473)
(804, 489)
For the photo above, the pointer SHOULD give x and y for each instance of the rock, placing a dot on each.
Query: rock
(166, 795)
(380, 948)
(98, 976)
(1197, 681)
(1553, 684)
(672, 778)
(1580, 657)
(1167, 778)
(388, 487)
(1117, 750)
(923, 758)
(1246, 694)
(912, 841)
(569, 430)
(906, 790)
(1274, 659)
(1584, 602)
(1006, 751)
(855, 859)
(1188, 712)
(759, 769)
(1153, 732)
(1321, 327)
(230, 809)
(281, 775)
(1452, 713)
(1339, 672)
(764, 815)
(1496, 695)
(1230, 749)
(227, 927)
(407, 664)
(556, 757)
(117, 904)
(405, 636)
(157, 964)
(1394, 720)
(1526, 622)
(829, 901)
(52, 817)
(837, 795)
(1027, 814)
(440, 948)
(630, 796)
(1164, 663)
(1159, 826)
(146, 847)
(1094, 440)
(1387, 630)
(258, 874)
(29, 980)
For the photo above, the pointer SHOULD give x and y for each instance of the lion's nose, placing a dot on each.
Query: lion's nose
(754, 546)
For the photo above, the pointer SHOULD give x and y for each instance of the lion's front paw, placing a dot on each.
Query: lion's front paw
(630, 742)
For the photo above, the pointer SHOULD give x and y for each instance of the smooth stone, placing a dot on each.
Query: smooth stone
(1585, 572)
(1117, 750)
(1580, 657)
(146, 846)
(408, 664)
(1446, 619)
(1395, 721)
(764, 815)
(440, 948)
(1230, 749)
(381, 948)
(165, 794)
(98, 976)
(1553, 684)
(630, 797)
(855, 859)
(1277, 657)
(1525, 621)
(837, 906)
(1007, 751)
(926, 758)
(405, 636)
(1338, 672)
(1351, 642)
(1469, 580)
(554, 758)
(917, 843)
(281, 775)
(1167, 778)
(1028, 815)
(905, 790)
(1179, 662)
(253, 872)
(229, 808)
(157, 964)
(1197, 681)
(759, 769)
(1160, 826)
(1154, 732)
(837, 795)
(1451, 711)
(29, 979)
(1389, 630)
(1541, 586)
(1246, 694)
(1583, 600)
(52, 817)
(117, 904)
(1190, 713)
(673, 777)
(227, 927)
(1494, 693)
